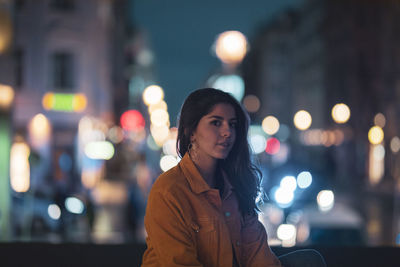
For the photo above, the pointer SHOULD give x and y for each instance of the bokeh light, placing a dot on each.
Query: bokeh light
(325, 200)
(39, 129)
(304, 179)
(380, 120)
(19, 167)
(54, 211)
(160, 134)
(91, 177)
(258, 143)
(273, 146)
(64, 102)
(395, 144)
(132, 120)
(74, 205)
(376, 163)
(231, 47)
(159, 117)
(167, 162)
(251, 103)
(152, 95)
(283, 133)
(287, 232)
(99, 150)
(284, 196)
(79, 102)
(341, 113)
(6, 96)
(302, 120)
(232, 84)
(379, 152)
(375, 135)
(289, 183)
(270, 125)
(48, 101)
(115, 134)
(169, 147)
(160, 105)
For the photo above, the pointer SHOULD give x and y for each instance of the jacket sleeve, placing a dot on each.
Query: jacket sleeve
(256, 250)
(169, 236)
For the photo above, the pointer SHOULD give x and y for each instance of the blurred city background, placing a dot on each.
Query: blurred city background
(90, 93)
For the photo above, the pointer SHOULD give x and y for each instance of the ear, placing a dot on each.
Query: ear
(192, 137)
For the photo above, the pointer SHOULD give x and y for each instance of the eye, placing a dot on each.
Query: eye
(216, 123)
(233, 124)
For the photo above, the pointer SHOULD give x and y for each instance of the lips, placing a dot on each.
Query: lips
(225, 144)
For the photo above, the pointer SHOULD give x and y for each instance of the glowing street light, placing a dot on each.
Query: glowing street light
(375, 135)
(231, 47)
(152, 95)
(302, 120)
(341, 113)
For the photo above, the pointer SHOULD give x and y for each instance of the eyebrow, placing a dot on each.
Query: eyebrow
(221, 118)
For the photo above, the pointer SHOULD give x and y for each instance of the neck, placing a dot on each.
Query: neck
(207, 169)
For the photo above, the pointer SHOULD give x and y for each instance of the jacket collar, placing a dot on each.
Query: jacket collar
(196, 181)
(192, 175)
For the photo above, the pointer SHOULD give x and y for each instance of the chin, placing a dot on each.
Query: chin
(222, 155)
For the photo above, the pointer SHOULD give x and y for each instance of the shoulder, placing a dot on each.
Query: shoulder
(169, 182)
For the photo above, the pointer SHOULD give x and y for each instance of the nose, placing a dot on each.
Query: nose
(226, 131)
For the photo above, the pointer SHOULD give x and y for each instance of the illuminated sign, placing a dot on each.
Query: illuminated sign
(64, 102)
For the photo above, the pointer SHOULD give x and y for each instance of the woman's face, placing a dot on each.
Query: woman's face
(215, 134)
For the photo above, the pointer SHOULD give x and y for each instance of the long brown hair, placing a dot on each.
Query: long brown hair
(244, 176)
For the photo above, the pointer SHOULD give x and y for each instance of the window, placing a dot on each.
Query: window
(62, 70)
(62, 5)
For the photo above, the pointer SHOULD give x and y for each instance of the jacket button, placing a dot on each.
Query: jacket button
(227, 214)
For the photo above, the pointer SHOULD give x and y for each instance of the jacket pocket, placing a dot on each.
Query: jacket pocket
(206, 239)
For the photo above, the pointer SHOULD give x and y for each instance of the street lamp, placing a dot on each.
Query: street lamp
(231, 47)
(6, 100)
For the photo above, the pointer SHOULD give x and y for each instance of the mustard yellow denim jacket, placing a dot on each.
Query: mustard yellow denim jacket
(189, 224)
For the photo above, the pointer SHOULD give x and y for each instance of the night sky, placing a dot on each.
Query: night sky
(181, 33)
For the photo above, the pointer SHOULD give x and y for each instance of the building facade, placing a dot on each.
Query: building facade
(329, 52)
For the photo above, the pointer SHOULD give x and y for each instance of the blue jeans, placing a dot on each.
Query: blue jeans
(303, 258)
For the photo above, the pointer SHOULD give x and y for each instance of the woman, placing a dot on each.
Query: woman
(203, 211)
